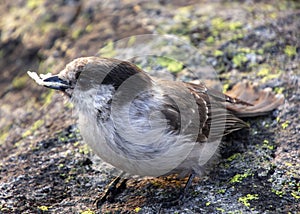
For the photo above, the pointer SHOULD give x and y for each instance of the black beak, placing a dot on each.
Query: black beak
(56, 83)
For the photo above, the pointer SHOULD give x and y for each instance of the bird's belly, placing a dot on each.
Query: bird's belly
(147, 157)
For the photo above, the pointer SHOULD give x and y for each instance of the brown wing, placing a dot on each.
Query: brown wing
(218, 112)
(214, 120)
(220, 121)
(182, 113)
(244, 100)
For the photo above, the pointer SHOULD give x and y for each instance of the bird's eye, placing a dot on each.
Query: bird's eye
(77, 75)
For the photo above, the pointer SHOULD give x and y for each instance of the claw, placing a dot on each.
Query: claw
(114, 188)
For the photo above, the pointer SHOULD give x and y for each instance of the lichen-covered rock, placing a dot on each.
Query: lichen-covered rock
(45, 166)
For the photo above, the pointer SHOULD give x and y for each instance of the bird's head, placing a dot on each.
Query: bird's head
(87, 72)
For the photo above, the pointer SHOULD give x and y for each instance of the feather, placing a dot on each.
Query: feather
(263, 101)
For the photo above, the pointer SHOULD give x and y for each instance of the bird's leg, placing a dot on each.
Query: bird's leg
(182, 193)
(187, 185)
(114, 187)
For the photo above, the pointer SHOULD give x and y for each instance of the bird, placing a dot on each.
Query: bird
(152, 127)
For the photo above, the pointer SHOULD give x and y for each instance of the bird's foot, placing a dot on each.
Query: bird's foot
(179, 199)
(175, 202)
(114, 188)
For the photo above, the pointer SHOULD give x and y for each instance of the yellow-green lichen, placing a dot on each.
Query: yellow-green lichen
(19, 143)
(245, 200)
(182, 17)
(221, 25)
(295, 194)
(131, 41)
(273, 15)
(218, 53)
(279, 90)
(277, 119)
(225, 165)
(20, 82)
(170, 64)
(77, 143)
(260, 51)
(89, 28)
(235, 25)
(225, 87)
(268, 73)
(88, 211)
(76, 33)
(268, 45)
(210, 40)
(236, 212)
(68, 178)
(215, 33)
(218, 23)
(290, 51)
(84, 149)
(245, 50)
(37, 124)
(239, 177)
(285, 124)
(47, 97)
(108, 50)
(288, 164)
(46, 27)
(137, 209)
(3, 137)
(267, 145)
(222, 191)
(69, 105)
(32, 4)
(4, 133)
(239, 59)
(220, 209)
(61, 165)
(43, 208)
(238, 36)
(234, 156)
(278, 192)
(72, 171)
(263, 72)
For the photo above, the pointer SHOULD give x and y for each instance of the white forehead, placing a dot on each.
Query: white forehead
(74, 67)
(86, 63)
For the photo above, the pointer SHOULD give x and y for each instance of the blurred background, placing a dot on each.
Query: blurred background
(45, 167)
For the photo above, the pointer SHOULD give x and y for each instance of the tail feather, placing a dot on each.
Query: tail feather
(263, 101)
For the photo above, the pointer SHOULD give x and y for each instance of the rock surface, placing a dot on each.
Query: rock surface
(46, 168)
